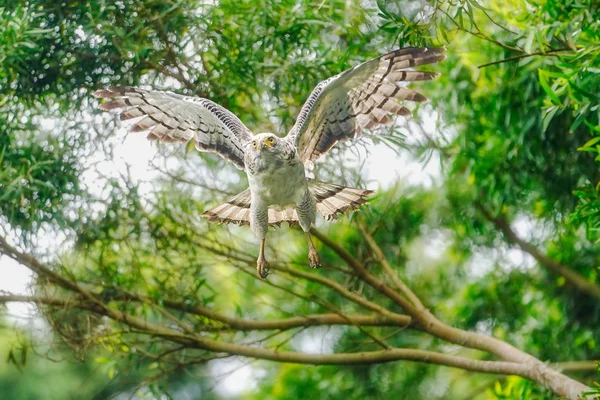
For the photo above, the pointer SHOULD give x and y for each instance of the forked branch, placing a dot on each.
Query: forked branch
(540, 372)
(515, 362)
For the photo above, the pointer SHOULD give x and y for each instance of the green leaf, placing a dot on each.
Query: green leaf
(590, 143)
(544, 82)
(550, 113)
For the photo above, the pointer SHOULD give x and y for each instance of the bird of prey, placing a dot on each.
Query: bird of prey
(338, 109)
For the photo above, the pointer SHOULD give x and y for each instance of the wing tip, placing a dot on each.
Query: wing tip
(100, 93)
(419, 98)
(214, 218)
(116, 91)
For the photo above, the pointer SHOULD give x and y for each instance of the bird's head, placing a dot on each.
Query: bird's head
(266, 143)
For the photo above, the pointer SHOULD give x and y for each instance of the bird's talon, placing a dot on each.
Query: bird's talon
(314, 259)
(263, 267)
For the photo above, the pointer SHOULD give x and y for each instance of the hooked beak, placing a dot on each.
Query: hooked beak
(266, 143)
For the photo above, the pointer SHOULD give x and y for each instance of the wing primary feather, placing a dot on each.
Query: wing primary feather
(365, 96)
(172, 117)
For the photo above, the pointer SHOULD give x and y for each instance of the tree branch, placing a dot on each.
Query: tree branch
(540, 372)
(361, 358)
(35, 266)
(230, 323)
(572, 277)
(355, 298)
(576, 366)
(518, 362)
(526, 55)
(388, 269)
(369, 357)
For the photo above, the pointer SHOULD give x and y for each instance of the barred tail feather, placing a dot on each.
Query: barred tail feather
(331, 199)
(237, 211)
(234, 211)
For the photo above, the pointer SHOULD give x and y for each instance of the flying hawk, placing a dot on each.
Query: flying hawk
(338, 108)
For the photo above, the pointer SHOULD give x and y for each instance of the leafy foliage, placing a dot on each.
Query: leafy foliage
(517, 139)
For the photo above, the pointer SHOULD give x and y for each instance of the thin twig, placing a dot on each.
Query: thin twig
(570, 275)
(388, 269)
(521, 56)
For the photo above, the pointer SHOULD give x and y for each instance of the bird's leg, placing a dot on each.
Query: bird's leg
(262, 265)
(259, 223)
(313, 255)
(307, 212)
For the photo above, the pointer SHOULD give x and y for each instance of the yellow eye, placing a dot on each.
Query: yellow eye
(271, 140)
(255, 144)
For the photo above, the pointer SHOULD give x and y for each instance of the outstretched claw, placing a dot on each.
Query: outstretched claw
(313, 258)
(313, 255)
(262, 267)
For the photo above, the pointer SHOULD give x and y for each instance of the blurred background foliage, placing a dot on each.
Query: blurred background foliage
(512, 133)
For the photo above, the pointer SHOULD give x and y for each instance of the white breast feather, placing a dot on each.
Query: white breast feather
(279, 187)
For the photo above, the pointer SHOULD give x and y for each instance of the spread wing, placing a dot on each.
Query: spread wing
(362, 97)
(170, 117)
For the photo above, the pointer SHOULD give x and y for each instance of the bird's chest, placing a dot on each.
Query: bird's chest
(276, 181)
